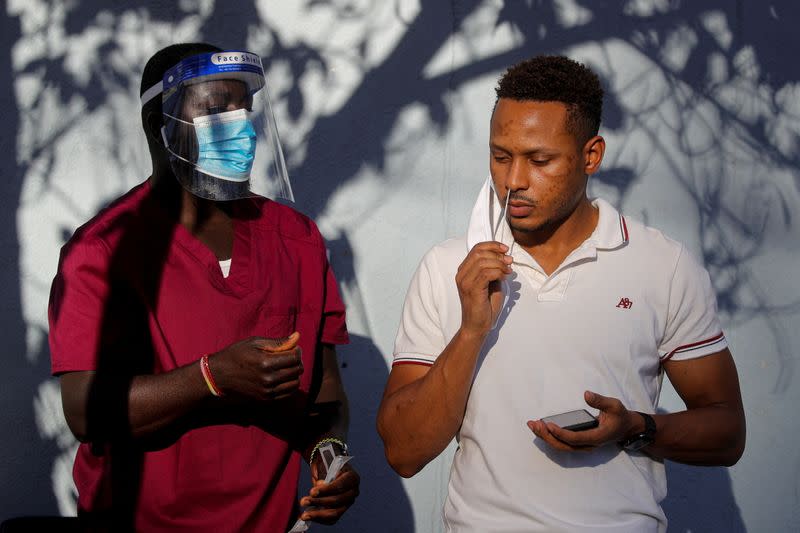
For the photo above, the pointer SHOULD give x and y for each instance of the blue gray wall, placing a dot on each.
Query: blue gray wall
(383, 107)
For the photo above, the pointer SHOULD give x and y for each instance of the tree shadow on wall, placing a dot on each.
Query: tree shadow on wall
(25, 462)
(339, 144)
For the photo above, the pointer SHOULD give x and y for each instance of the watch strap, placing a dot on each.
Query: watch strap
(640, 440)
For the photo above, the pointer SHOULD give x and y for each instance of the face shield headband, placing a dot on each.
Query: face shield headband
(219, 129)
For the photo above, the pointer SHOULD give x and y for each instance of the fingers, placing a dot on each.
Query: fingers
(565, 440)
(484, 251)
(490, 246)
(603, 403)
(259, 368)
(581, 440)
(541, 430)
(478, 284)
(275, 361)
(485, 255)
(347, 480)
(476, 277)
(323, 516)
(276, 383)
(330, 501)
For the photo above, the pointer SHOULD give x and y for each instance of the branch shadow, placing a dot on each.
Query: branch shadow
(24, 462)
(367, 119)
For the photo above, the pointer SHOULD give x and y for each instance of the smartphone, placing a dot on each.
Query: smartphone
(577, 420)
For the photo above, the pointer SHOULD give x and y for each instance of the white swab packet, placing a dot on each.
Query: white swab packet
(332, 466)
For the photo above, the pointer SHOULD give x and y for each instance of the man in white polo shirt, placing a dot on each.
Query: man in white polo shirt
(553, 302)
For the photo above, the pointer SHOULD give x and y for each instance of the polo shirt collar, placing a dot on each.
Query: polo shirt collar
(610, 234)
(611, 231)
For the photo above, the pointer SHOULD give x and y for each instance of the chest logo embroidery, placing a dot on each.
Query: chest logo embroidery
(625, 303)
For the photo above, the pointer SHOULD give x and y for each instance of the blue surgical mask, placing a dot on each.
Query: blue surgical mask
(226, 143)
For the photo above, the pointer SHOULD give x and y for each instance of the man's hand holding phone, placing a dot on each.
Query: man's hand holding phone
(613, 424)
(578, 420)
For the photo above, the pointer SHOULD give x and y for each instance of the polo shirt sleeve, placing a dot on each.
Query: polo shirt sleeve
(692, 327)
(420, 339)
(77, 302)
(333, 327)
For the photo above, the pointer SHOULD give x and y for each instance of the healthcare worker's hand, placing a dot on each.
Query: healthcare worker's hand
(328, 502)
(259, 368)
(478, 281)
(615, 423)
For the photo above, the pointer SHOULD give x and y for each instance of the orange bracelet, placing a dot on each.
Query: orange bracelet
(206, 371)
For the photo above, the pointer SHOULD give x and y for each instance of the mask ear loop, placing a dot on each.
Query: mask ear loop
(166, 142)
(164, 134)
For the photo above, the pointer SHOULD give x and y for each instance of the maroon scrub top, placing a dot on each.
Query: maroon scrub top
(136, 293)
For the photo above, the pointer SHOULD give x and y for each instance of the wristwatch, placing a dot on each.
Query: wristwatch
(640, 440)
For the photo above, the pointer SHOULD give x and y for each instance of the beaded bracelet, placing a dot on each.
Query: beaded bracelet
(324, 441)
(206, 371)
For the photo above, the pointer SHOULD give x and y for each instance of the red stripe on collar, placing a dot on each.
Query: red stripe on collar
(624, 228)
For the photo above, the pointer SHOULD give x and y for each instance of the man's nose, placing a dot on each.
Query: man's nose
(517, 178)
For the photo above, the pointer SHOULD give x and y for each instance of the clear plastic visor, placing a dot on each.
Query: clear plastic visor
(222, 138)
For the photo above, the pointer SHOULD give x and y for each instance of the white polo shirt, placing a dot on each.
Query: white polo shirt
(621, 303)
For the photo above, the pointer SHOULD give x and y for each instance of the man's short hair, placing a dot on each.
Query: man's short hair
(558, 79)
(161, 62)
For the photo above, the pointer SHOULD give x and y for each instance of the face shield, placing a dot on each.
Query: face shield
(219, 129)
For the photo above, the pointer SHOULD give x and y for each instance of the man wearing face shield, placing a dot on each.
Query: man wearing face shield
(193, 322)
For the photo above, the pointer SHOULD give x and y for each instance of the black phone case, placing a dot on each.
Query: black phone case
(579, 426)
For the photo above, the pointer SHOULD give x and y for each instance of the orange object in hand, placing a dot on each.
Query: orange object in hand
(285, 344)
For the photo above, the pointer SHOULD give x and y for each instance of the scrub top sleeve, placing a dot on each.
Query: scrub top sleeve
(333, 327)
(420, 339)
(692, 328)
(75, 312)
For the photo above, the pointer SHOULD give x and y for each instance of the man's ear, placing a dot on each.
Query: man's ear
(593, 152)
